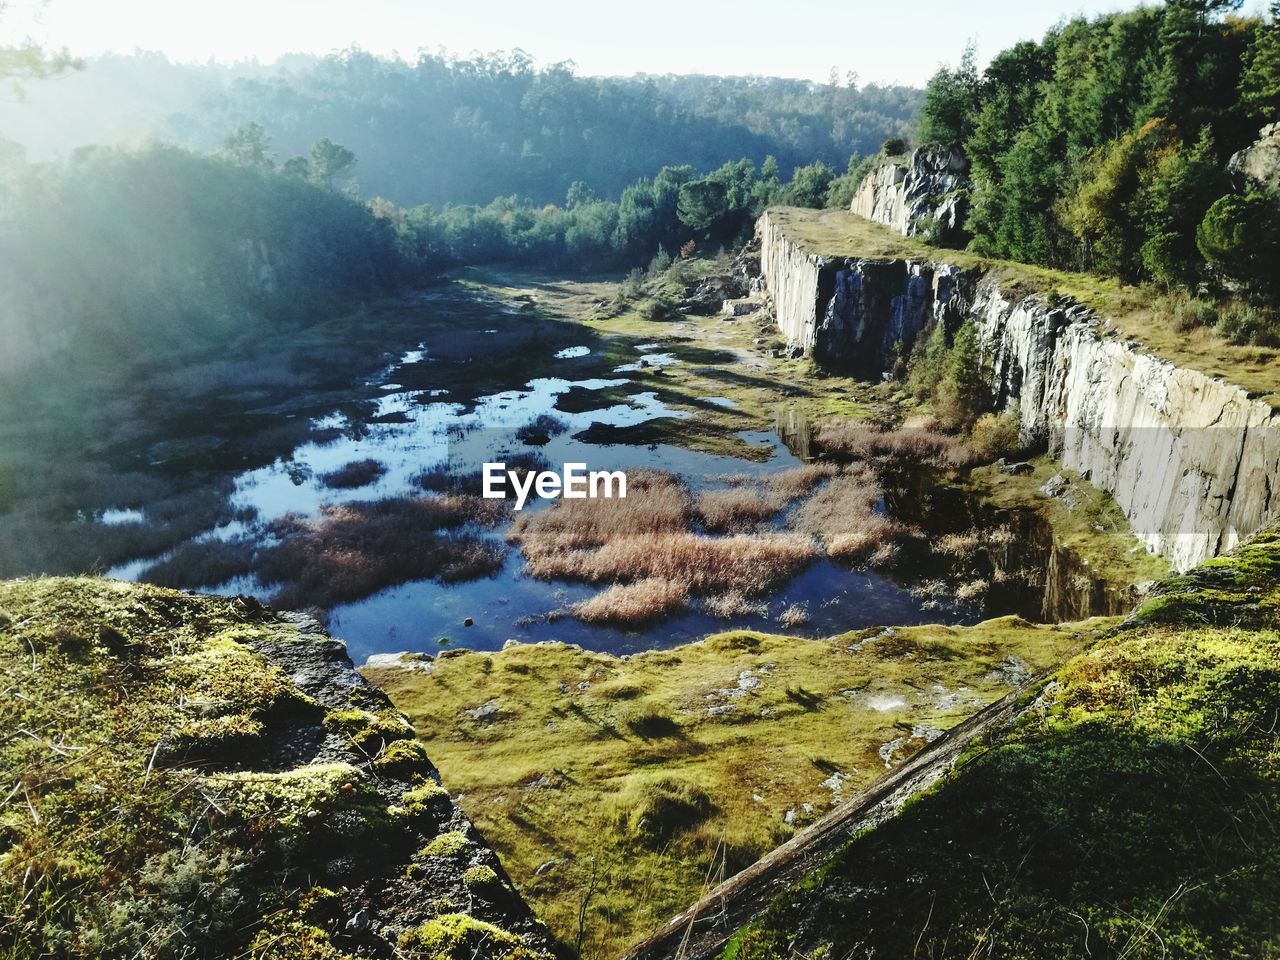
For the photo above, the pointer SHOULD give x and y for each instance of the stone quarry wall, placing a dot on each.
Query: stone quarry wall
(1193, 462)
(923, 194)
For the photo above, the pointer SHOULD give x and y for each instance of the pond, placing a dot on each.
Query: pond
(423, 415)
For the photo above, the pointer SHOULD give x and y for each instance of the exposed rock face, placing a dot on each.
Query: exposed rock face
(925, 195)
(1261, 162)
(853, 314)
(1190, 459)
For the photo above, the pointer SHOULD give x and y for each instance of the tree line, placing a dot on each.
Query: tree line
(1104, 146)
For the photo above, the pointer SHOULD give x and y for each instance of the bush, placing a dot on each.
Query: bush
(996, 436)
(1241, 323)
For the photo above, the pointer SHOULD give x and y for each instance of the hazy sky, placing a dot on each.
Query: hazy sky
(883, 40)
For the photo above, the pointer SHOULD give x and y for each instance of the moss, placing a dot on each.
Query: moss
(428, 799)
(125, 685)
(448, 845)
(481, 879)
(457, 936)
(366, 729)
(403, 759)
(293, 800)
(624, 758)
(1134, 801)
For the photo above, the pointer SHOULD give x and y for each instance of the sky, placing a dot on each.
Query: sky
(882, 40)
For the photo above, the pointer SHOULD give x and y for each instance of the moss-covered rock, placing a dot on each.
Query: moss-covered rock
(188, 763)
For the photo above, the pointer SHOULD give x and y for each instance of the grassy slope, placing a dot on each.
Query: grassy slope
(1132, 811)
(580, 754)
(1131, 309)
(170, 792)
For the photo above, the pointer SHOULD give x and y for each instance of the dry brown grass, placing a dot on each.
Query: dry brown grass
(355, 549)
(736, 509)
(844, 517)
(799, 481)
(647, 535)
(633, 603)
(656, 502)
(734, 604)
(796, 615)
(920, 444)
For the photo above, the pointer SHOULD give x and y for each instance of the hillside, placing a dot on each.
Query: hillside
(1128, 809)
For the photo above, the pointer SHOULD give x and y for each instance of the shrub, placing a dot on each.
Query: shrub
(357, 473)
(994, 436)
(1241, 323)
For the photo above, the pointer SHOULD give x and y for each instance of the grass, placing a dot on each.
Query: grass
(357, 473)
(645, 546)
(352, 550)
(172, 792)
(645, 775)
(1131, 810)
(1139, 313)
(919, 444)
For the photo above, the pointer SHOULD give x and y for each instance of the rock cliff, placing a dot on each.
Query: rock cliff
(1190, 459)
(1260, 162)
(924, 194)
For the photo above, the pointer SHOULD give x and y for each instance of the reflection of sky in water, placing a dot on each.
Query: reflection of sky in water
(572, 353)
(427, 437)
(115, 518)
(421, 431)
(648, 360)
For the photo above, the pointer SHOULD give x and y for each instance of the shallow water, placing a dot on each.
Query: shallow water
(421, 416)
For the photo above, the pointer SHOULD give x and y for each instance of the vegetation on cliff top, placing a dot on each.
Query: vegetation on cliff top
(1104, 147)
(615, 788)
(1141, 313)
(1130, 810)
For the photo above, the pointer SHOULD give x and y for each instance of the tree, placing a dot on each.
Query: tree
(1182, 185)
(1260, 83)
(330, 161)
(809, 185)
(963, 395)
(950, 102)
(1240, 236)
(249, 146)
(29, 61)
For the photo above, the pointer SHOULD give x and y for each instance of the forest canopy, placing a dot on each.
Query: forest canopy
(1105, 146)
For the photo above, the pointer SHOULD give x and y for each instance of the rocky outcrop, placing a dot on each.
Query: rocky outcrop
(1260, 163)
(1190, 460)
(256, 788)
(856, 315)
(925, 194)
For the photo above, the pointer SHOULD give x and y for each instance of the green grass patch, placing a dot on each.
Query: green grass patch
(650, 776)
